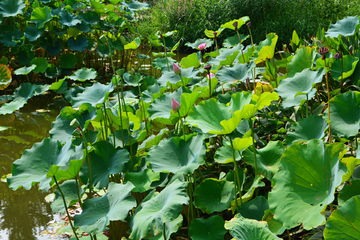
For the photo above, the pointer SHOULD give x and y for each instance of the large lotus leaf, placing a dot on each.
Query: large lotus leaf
(114, 205)
(160, 63)
(246, 229)
(142, 180)
(71, 196)
(103, 50)
(213, 117)
(312, 127)
(207, 229)
(32, 33)
(52, 46)
(78, 44)
(134, 44)
(350, 163)
(105, 160)
(25, 56)
(344, 27)
(345, 114)
(25, 70)
(11, 38)
(5, 76)
(214, 195)
(298, 100)
(61, 129)
(39, 164)
(74, 168)
(266, 48)
(347, 69)
(275, 226)
(41, 15)
(177, 156)
(84, 74)
(226, 56)
(192, 60)
(40, 63)
(303, 59)
(160, 210)
(67, 60)
(349, 190)
(89, 17)
(264, 99)
(68, 19)
(199, 41)
(239, 22)
(268, 158)
(239, 100)
(52, 71)
(305, 183)
(21, 96)
(11, 8)
(344, 222)
(301, 84)
(224, 155)
(96, 94)
(254, 209)
(239, 72)
(134, 5)
(187, 75)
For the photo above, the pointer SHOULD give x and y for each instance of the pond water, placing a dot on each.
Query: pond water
(25, 214)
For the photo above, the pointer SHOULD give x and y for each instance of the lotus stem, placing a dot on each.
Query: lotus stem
(66, 208)
(164, 231)
(253, 140)
(328, 92)
(77, 189)
(240, 44)
(89, 163)
(236, 179)
(307, 104)
(342, 78)
(167, 62)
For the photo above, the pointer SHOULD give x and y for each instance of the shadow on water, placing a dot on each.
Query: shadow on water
(24, 214)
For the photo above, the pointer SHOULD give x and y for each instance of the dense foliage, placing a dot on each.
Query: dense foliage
(243, 141)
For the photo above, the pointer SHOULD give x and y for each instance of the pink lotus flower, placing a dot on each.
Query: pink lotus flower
(175, 106)
(202, 46)
(176, 69)
(211, 75)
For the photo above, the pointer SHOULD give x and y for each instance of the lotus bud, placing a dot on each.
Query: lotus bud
(233, 89)
(75, 123)
(175, 106)
(215, 34)
(202, 46)
(176, 69)
(323, 51)
(248, 24)
(76, 133)
(207, 67)
(338, 55)
(235, 24)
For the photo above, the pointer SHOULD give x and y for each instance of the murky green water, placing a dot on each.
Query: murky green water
(24, 214)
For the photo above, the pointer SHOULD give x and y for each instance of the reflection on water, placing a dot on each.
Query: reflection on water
(24, 214)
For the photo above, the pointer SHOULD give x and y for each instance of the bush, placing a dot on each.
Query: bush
(191, 18)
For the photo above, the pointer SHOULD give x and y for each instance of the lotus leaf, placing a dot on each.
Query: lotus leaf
(344, 27)
(207, 229)
(40, 63)
(68, 19)
(349, 191)
(303, 59)
(239, 72)
(33, 33)
(11, 8)
(71, 196)
(95, 95)
(5, 76)
(199, 41)
(254, 209)
(78, 44)
(67, 60)
(41, 15)
(239, 22)
(347, 68)
(266, 48)
(84, 74)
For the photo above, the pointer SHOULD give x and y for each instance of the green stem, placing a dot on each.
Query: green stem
(342, 79)
(253, 140)
(89, 163)
(328, 92)
(77, 189)
(66, 208)
(167, 62)
(164, 231)
(240, 46)
(237, 182)
(209, 85)
(307, 104)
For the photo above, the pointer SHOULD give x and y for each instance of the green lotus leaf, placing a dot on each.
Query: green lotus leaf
(61, 30)
(187, 76)
(105, 160)
(275, 226)
(266, 48)
(207, 229)
(83, 74)
(345, 114)
(214, 195)
(41, 15)
(240, 144)
(160, 63)
(239, 72)
(103, 50)
(67, 60)
(349, 190)
(5, 76)
(101, 8)
(116, 44)
(78, 44)
(298, 100)
(302, 59)
(344, 27)
(11, 38)
(250, 192)
(74, 168)
(301, 84)
(89, 17)
(186, 156)
(114, 205)
(25, 56)
(163, 209)
(40, 63)
(350, 163)
(268, 158)
(25, 70)
(96, 94)
(347, 68)
(52, 46)
(191, 61)
(312, 127)
(239, 100)
(32, 33)
(58, 86)
(199, 41)
(39, 164)
(134, 5)
(71, 196)
(68, 19)
(142, 180)
(52, 71)
(61, 129)
(344, 222)
(247, 229)
(305, 183)
(226, 57)
(254, 209)
(210, 33)
(234, 40)
(11, 8)
(134, 44)
(21, 96)
(264, 99)
(240, 22)
(213, 117)
(224, 155)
